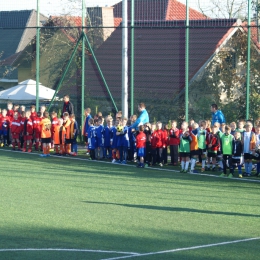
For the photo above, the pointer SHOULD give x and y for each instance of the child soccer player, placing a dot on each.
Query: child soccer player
(237, 152)
(15, 130)
(10, 111)
(27, 132)
(5, 124)
(249, 142)
(59, 134)
(194, 148)
(213, 143)
(66, 124)
(37, 130)
(257, 150)
(123, 142)
(201, 136)
(86, 124)
(107, 138)
(22, 120)
(100, 139)
(174, 142)
(185, 140)
(158, 136)
(227, 149)
(91, 138)
(33, 112)
(114, 137)
(54, 122)
(148, 147)
(45, 134)
(165, 141)
(140, 145)
(74, 129)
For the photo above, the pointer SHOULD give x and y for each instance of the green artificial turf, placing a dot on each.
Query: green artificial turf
(66, 203)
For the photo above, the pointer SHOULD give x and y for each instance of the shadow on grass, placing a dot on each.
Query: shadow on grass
(191, 210)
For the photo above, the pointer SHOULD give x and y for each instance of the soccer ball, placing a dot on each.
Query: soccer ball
(119, 128)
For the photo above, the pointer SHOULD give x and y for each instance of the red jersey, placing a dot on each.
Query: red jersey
(33, 115)
(141, 140)
(10, 114)
(174, 136)
(157, 139)
(28, 126)
(22, 119)
(4, 123)
(165, 138)
(36, 124)
(54, 123)
(214, 141)
(16, 126)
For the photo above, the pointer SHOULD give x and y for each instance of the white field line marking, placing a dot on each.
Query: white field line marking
(128, 165)
(184, 249)
(66, 250)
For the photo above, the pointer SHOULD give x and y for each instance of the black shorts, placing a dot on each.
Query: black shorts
(194, 153)
(202, 151)
(219, 153)
(213, 155)
(181, 154)
(248, 156)
(236, 161)
(68, 141)
(46, 140)
(86, 139)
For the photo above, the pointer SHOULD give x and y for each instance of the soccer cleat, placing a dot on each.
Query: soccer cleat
(123, 162)
(240, 176)
(182, 170)
(43, 155)
(249, 175)
(29, 150)
(24, 149)
(193, 171)
(48, 155)
(213, 169)
(202, 170)
(185, 171)
(230, 175)
(223, 175)
(244, 174)
(160, 164)
(114, 161)
(2, 145)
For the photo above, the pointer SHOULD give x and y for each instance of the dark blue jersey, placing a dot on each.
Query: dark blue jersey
(114, 137)
(108, 136)
(92, 140)
(86, 126)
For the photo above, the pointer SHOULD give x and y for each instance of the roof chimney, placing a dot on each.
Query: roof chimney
(101, 17)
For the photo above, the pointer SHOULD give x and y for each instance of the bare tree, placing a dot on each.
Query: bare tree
(224, 8)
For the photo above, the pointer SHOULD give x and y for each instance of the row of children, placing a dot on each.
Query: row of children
(229, 146)
(23, 128)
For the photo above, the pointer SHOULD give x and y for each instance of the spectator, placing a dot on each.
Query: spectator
(217, 115)
(67, 106)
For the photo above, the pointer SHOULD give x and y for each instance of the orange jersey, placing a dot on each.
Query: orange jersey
(194, 142)
(45, 128)
(67, 127)
(59, 133)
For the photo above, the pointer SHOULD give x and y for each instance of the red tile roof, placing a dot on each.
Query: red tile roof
(177, 11)
(158, 10)
(254, 33)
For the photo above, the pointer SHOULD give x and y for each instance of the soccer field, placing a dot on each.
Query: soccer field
(71, 208)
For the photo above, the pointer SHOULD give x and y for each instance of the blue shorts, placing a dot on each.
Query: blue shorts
(3, 132)
(141, 152)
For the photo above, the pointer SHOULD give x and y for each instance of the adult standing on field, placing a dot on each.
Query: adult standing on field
(143, 118)
(67, 106)
(217, 115)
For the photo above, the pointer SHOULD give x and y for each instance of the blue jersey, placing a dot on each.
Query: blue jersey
(114, 137)
(100, 135)
(92, 141)
(86, 127)
(218, 117)
(108, 136)
(123, 138)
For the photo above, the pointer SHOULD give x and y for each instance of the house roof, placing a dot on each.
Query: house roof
(158, 10)
(254, 33)
(14, 35)
(159, 58)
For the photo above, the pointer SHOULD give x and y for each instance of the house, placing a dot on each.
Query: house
(15, 35)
